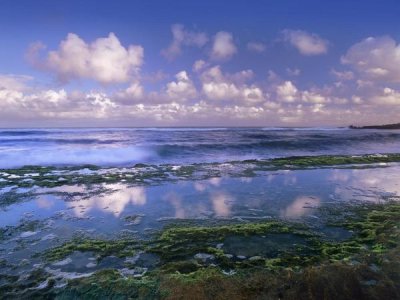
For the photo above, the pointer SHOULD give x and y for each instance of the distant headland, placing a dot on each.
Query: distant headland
(386, 126)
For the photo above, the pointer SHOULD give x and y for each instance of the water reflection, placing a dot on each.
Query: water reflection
(286, 194)
(301, 207)
(113, 202)
(221, 202)
(366, 185)
(176, 201)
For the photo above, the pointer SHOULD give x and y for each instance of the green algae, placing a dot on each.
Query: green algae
(103, 248)
(332, 160)
(177, 243)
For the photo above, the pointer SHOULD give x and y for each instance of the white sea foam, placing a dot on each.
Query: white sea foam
(74, 156)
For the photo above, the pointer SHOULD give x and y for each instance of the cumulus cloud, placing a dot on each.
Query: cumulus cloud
(223, 47)
(182, 37)
(313, 97)
(220, 90)
(287, 92)
(101, 103)
(182, 89)
(104, 60)
(388, 96)
(256, 47)
(14, 82)
(48, 96)
(343, 75)
(133, 93)
(219, 86)
(22, 103)
(375, 58)
(199, 65)
(135, 90)
(252, 94)
(306, 43)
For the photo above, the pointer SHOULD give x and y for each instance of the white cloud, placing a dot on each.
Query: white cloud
(215, 74)
(14, 82)
(133, 92)
(102, 104)
(182, 89)
(356, 99)
(253, 94)
(256, 47)
(223, 47)
(293, 72)
(104, 60)
(313, 97)
(343, 75)
(388, 96)
(199, 65)
(306, 43)
(220, 90)
(375, 58)
(182, 37)
(219, 86)
(241, 76)
(50, 96)
(287, 92)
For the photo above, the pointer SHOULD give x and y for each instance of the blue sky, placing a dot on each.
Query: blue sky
(261, 63)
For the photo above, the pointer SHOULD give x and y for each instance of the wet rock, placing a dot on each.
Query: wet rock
(135, 272)
(91, 265)
(58, 274)
(229, 272)
(62, 262)
(27, 234)
(241, 257)
(43, 285)
(204, 257)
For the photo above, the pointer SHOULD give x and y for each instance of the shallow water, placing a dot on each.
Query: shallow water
(286, 194)
(46, 217)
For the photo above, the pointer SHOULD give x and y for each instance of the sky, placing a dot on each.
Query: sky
(199, 63)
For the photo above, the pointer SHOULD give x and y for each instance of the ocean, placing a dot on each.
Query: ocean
(127, 146)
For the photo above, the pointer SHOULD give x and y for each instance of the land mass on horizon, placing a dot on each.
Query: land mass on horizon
(386, 126)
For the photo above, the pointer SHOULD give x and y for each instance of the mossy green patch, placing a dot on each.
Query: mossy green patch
(332, 160)
(178, 242)
(103, 248)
